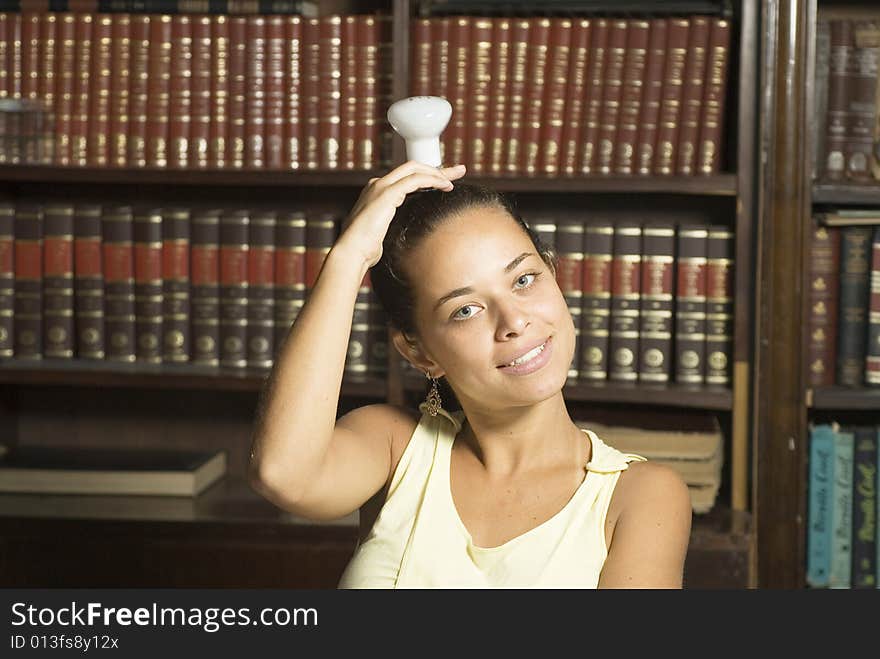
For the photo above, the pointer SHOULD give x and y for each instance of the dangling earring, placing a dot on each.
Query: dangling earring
(433, 401)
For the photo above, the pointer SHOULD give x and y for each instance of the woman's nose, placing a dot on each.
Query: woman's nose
(512, 321)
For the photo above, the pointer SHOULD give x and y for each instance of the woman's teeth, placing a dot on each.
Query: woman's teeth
(531, 354)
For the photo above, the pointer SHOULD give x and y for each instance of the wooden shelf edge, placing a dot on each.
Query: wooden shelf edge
(724, 185)
(843, 194)
(844, 398)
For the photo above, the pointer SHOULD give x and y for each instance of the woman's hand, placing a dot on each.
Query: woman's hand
(368, 222)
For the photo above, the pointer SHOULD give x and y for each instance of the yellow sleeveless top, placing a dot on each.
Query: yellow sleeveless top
(419, 541)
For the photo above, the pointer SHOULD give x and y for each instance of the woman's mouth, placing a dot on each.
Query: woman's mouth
(530, 361)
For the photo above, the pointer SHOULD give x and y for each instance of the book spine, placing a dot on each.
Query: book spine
(554, 97)
(840, 572)
(519, 50)
(574, 95)
(592, 104)
(180, 92)
(348, 93)
(159, 91)
(310, 99)
(626, 280)
(872, 358)
(861, 106)
(320, 235)
(692, 96)
(218, 130)
(820, 97)
(440, 71)
(596, 314)
(570, 278)
(30, 59)
(98, 114)
(13, 56)
(293, 92)
(233, 287)
(274, 118)
(852, 321)
(611, 96)
(148, 293)
(139, 90)
(638, 34)
(28, 308)
(46, 87)
(205, 280)
(175, 285)
(305, 7)
(720, 248)
(384, 89)
(378, 337)
(88, 269)
(290, 272)
(839, 82)
(864, 507)
(478, 95)
(7, 278)
(367, 141)
(255, 93)
(665, 152)
(121, 48)
(690, 305)
(200, 94)
(261, 289)
(824, 272)
(329, 104)
(821, 481)
(714, 99)
(119, 311)
(655, 318)
(64, 87)
(358, 354)
(58, 280)
(536, 71)
(459, 73)
(652, 93)
(236, 116)
(420, 75)
(5, 18)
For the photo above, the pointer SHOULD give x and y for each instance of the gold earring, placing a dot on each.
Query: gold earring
(433, 401)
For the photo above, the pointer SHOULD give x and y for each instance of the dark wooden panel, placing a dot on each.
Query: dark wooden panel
(845, 398)
(846, 195)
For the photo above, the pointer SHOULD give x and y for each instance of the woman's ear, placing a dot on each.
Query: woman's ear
(410, 349)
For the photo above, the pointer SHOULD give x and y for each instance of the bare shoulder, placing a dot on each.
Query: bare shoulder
(394, 422)
(651, 484)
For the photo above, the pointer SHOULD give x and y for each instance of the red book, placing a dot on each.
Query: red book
(348, 93)
(236, 115)
(175, 285)
(28, 307)
(5, 18)
(200, 94)
(148, 296)
(519, 51)
(612, 89)
(13, 55)
(652, 92)
(665, 152)
(180, 92)
(46, 83)
(98, 147)
(293, 92)
(310, 98)
(626, 281)
(655, 314)
(367, 148)
(139, 91)
(255, 94)
(569, 277)
(58, 280)
(88, 270)
(205, 280)
(7, 277)
(159, 91)
(478, 95)
(719, 306)
(82, 87)
(261, 289)
(420, 75)
(539, 44)
(329, 103)
(631, 97)
(218, 128)
(121, 49)
(690, 305)
(290, 271)
(498, 94)
(592, 104)
(569, 141)
(275, 81)
(596, 306)
(556, 81)
(233, 287)
(118, 258)
(65, 63)
(30, 55)
(439, 73)
(692, 96)
(822, 300)
(459, 73)
(714, 99)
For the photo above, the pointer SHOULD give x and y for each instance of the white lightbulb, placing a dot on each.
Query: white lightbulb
(420, 120)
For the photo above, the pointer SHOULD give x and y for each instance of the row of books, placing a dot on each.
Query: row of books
(301, 7)
(847, 122)
(196, 91)
(578, 96)
(217, 287)
(842, 541)
(844, 305)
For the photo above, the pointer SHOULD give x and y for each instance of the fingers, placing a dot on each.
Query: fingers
(412, 167)
(397, 191)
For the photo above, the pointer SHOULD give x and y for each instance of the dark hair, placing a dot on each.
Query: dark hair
(418, 217)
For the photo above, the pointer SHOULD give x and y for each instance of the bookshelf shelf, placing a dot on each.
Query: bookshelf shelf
(844, 398)
(77, 373)
(852, 195)
(721, 185)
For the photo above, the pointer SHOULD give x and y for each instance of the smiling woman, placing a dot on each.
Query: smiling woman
(491, 484)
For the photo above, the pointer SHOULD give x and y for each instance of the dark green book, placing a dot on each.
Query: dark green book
(852, 333)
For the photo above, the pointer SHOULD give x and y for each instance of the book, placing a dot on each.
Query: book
(7, 277)
(58, 280)
(655, 324)
(840, 574)
(872, 357)
(719, 305)
(820, 481)
(569, 277)
(690, 304)
(79, 470)
(304, 7)
(822, 298)
(864, 507)
(626, 281)
(839, 83)
(855, 245)
(596, 300)
(861, 100)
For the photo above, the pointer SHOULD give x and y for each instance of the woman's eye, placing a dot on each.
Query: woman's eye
(529, 279)
(464, 313)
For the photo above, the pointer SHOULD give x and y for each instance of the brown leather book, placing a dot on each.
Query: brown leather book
(310, 100)
(237, 99)
(58, 325)
(200, 94)
(367, 145)
(329, 103)
(498, 93)
(872, 357)
(477, 105)
(655, 314)
(720, 249)
(218, 129)
(117, 232)
(536, 71)
(261, 288)
(690, 305)
(120, 81)
(7, 277)
(579, 52)
(459, 74)
(692, 96)
(612, 89)
(665, 152)
(88, 270)
(64, 87)
(233, 287)
(290, 271)
(348, 93)
(385, 89)
(652, 92)
(275, 76)
(626, 281)
(420, 74)
(822, 298)
(293, 92)
(205, 281)
(97, 146)
(570, 278)
(47, 62)
(180, 91)
(593, 93)
(596, 307)
(30, 59)
(13, 55)
(148, 294)
(555, 83)
(255, 94)
(862, 102)
(440, 70)
(28, 311)
(519, 50)
(138, 91)
(5, 18)
(159, 91)
(176, 337)
(638, 34)
(714, 99)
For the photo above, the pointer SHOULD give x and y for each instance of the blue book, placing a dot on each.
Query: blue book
(821, 480)
(864, 538)
(842, 511)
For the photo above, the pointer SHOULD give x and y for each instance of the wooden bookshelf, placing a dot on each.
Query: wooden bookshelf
(846, 195)
(844, 399)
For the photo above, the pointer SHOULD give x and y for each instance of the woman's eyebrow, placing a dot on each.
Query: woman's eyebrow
(458, 292)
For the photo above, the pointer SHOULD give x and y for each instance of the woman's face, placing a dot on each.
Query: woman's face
(484, 298)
